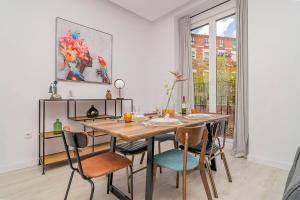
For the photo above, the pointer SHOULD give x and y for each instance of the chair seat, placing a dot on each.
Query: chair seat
(197, 149)
(164, 137)
(104, 164)
(173, 159)
(132, 148)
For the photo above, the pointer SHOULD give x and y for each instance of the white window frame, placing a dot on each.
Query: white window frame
(210, 18)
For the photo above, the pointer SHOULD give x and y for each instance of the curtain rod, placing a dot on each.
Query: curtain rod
(210, 8)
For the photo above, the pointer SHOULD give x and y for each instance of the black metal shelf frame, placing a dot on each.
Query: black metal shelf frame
(42, 120)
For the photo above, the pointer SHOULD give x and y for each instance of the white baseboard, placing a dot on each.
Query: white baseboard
(268, 162)
(18, 165)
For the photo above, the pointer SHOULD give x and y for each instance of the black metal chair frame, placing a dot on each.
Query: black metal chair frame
(130, 176)
(79, 169)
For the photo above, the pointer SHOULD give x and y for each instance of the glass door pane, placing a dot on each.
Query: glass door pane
(200, 64)
(226, 68)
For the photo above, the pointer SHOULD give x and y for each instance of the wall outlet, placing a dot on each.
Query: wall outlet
(28, 136)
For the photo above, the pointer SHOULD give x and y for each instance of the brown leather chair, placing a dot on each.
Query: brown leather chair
(96, 166)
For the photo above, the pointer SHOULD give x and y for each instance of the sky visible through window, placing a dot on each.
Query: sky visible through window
(225, 28)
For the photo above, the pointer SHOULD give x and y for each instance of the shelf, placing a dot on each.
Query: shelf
(100, 99)
(56, 157)
(96, 134)
(50, 134)
(62, 156)
(83, 118)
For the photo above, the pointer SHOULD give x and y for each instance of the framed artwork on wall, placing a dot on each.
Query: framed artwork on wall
(83, 54)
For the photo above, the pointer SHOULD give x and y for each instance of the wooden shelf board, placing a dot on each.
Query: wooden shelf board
(56, 157)
(62, 156)
(82, 118)
(50, 134)
(96, 133)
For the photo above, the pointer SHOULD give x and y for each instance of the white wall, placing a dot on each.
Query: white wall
(27, 53)
(274, 69)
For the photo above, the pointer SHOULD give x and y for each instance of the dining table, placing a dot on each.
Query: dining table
(134, 131)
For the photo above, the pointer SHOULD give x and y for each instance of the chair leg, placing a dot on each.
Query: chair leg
(142, 158)
(177, 179)
(159, 151)
(69, 185)
(154, 176)
(204, 180)
(175, 144)
(226, 167)
(211, 179)
(107, 189)
(131, 181)
(128, 180)
(184, 185)
(92, 189)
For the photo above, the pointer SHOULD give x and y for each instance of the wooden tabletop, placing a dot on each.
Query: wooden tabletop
(137, 130)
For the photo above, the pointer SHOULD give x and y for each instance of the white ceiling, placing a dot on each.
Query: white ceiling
(151, 9)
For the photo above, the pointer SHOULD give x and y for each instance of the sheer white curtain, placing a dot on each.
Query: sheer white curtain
(185, 59)
(241, 130)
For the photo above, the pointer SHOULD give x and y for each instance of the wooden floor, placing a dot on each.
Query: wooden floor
(250, 182)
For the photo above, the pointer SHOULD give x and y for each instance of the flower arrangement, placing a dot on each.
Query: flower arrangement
(177, 78)
(74, 51)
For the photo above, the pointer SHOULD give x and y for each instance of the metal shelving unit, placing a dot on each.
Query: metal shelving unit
(48, 159)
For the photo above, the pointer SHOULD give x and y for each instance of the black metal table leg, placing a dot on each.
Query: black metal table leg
(149, 177)
(213, 161)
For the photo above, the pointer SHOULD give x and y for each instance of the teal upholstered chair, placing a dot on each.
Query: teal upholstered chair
(163, 138)
(160, 139)
(182, 161)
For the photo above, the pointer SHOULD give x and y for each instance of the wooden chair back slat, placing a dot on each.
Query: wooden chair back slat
(195, 135)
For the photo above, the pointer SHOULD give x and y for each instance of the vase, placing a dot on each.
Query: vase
(92, 112)
(169, 109)
(57, 127)
(108, 94)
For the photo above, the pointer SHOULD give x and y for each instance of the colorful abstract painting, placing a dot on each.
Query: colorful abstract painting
(82, 53)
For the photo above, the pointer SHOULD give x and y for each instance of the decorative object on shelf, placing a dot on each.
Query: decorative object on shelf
(128, 117)
(170, 112)
(82, 53)
(53, 91)
(119, 84)
(108, 94)
(57, 127)
(70, 94)
(92, 112)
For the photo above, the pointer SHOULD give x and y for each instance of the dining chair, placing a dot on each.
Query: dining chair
(164, 138)
(160, 139)
(132, 149)
(218, 129)
(92, 167)
(182, 161)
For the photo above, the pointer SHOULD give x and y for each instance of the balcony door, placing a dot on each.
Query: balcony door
(214, 61)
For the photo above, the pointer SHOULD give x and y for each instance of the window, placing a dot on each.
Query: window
(206, 41)
(221, 42)
(214, 66)
(200, 64)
